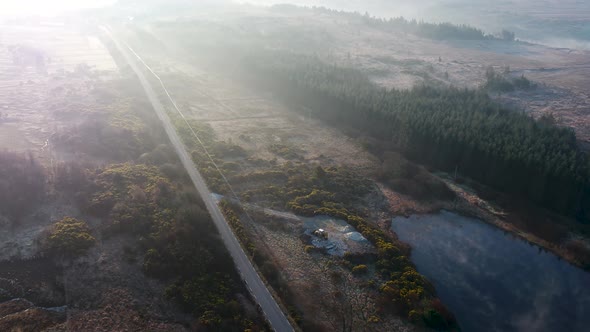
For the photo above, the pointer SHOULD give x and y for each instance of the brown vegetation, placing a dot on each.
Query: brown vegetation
(31, 320)
(411, 179)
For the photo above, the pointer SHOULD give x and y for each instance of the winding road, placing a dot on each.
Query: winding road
(276, 318)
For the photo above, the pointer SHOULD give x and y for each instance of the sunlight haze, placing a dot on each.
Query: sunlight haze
(47, 8)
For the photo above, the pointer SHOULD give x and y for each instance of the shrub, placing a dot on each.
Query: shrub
(285, 151)
(435, 320)
(502, 82)
(411, 179)
(359, 270)
(69, 237)
(310, 249)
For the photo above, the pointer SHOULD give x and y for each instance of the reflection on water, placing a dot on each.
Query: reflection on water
(493, 281)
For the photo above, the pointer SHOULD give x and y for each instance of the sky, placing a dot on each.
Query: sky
(46, 7)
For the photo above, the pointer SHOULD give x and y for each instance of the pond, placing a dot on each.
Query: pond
(493, 281)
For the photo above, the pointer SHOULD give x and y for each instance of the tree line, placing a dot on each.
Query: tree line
(22, 185)
(436, 31)
(447, 128)
(502, 82)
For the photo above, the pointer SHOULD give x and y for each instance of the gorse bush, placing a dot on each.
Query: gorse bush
(359, 269)
(176, 240)
(336, 192)
(69, 237)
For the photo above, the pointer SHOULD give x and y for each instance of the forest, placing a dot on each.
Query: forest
(503, 82)
(446, 128)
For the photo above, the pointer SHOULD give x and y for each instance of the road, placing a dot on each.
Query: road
(274, 315)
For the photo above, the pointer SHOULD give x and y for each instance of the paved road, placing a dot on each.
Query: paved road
(257, 288)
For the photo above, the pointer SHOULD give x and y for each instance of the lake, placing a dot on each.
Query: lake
(493, 281)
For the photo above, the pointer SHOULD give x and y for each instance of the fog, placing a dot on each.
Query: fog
(221, 165)
(564, 23)
(47, 8)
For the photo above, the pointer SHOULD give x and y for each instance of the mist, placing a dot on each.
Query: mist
(294, 165)
(564, 24)
(47, 8)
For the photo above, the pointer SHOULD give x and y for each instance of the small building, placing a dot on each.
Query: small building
(321, 233)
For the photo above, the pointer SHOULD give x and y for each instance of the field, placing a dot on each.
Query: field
(46, 73)
(256, 122)
(45, 81)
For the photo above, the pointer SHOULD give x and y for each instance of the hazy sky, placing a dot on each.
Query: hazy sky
(52, 7)
(46, 7)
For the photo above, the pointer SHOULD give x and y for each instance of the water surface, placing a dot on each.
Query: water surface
(493, 281)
